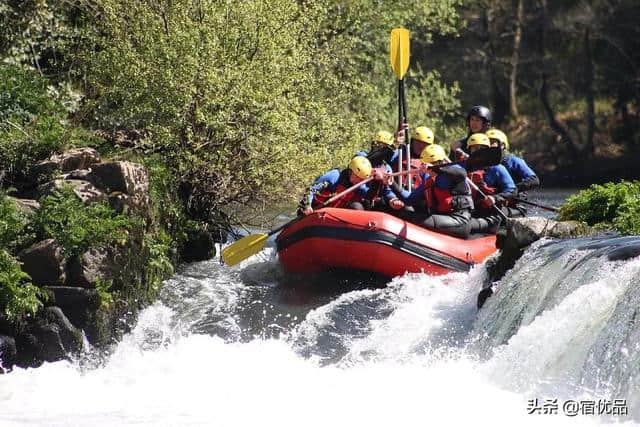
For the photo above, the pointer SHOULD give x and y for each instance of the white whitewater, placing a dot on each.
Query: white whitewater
(240, 347)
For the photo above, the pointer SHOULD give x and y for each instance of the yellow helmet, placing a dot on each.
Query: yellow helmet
(423, 134)
(361, 166)
(383, 137)
(500, 136)
(478, 139)
(433, 153)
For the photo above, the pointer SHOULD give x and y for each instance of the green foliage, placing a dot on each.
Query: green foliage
(31, 123)
(615, 205)
(241, 96)
(14, 230)
(106, 298)
(77, 227)
(163, 191)
(19, 298)
(23, 96)
(159, 266)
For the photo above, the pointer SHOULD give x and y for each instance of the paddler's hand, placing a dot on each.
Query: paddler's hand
(307, 211)
(487, 202)
(396, 204)
(399, 136)
(379, 174)
(424, 168)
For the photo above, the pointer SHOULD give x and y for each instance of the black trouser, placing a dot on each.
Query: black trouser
(486, 224)
(516, 211)
(456, 224)
(355, 205)
(488, 220)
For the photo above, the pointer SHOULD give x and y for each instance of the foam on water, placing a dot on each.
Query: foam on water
(413, 353)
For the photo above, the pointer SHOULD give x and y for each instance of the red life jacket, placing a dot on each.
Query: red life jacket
(437, 200)
(326, 194)
(416, 179)
(478, 178)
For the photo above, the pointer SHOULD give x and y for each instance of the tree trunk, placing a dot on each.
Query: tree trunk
(498, 98)
(589, 148)
(515, 59)
(543, 93)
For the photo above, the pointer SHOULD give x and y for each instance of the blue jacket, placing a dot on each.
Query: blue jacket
(523, 176)
(387, 192)
(498, 177)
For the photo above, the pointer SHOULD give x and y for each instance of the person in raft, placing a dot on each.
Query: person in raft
(380, 196)
(336, 181)
(442, 201)
(524, 177)
(497, 186)
(478, 121)
(421, 137)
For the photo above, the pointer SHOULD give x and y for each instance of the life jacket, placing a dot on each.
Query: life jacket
(416, 179)
(325, 194)
(442, 200)
(375, 191)
(429, 196)
(477, 177)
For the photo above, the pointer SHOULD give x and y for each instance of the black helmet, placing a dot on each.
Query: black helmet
(482, 112)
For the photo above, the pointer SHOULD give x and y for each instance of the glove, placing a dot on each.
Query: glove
(396, 204)
(487, 202)
(461, 155)
(476, 178)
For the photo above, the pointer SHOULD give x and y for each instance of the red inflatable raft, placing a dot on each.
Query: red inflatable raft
(334, 238)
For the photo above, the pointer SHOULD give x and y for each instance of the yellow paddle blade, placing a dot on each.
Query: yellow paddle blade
(399, 51)
(244, 248)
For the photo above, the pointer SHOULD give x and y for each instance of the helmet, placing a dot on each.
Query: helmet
(361, 166)
(500, 136)
(478, 139)
(480, 111)
(423, 134)
(433, 153)
(383, 137)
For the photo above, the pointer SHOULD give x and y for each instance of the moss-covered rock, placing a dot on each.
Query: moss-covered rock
(522, 232)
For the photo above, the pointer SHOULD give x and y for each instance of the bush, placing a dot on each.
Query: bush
(19, 298)
(77, 227)
(31, 122)
(24, 96)
(14, 231)
(613, 205)
(238, 112)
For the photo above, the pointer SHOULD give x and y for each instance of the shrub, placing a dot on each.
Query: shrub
(615, 205)
(31, 122)
(24, 96)
(77, 227)
(14, 230)
(19, 298)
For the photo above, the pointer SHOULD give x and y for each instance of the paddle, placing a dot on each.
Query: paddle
(475, 187)
(253, 243)
(478, 159)
(399, 57)
(526, 202)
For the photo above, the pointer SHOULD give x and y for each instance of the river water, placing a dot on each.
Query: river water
(558, 343)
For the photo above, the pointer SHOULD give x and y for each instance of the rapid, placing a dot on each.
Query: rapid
(558, 343)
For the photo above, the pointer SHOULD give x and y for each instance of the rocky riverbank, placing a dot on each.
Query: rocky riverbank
(94, 252)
